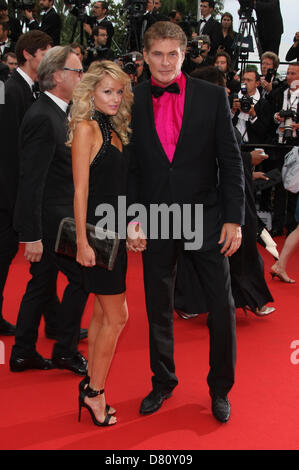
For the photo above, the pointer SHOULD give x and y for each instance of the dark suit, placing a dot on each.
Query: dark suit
(92, 21)
(213, 29)
(261, 130)
(206, 144)
(18, 98)
(45, 197)
(50, 24)
(269, 24)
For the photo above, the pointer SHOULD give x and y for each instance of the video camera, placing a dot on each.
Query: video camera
(246, 8)
(194, 48)
(290, 117)
(22, 5)
(246, 101)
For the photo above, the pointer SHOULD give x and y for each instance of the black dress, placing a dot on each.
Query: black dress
(107, 181)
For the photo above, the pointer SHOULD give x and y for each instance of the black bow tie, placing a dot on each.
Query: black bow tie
(2, 43)
(203, 21)
(158, 91)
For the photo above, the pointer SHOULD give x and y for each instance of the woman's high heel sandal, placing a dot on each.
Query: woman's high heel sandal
(282, 278)
(82, 386)
(90, 393)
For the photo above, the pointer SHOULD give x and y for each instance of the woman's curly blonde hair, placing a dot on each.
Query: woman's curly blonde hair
(82, 108)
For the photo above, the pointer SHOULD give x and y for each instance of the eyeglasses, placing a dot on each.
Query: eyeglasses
(80, 71)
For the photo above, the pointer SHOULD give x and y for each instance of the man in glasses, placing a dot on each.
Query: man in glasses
(100, 11)
(44, 198)
(98, 50)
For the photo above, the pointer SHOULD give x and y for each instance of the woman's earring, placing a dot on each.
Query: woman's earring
(92, 107)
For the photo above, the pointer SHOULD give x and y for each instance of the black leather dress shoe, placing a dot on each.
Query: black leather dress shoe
(153, 401)
(220, 408)
(76, 363)
(51, 333)
(184, 315)
(19, 363)
(6, 328)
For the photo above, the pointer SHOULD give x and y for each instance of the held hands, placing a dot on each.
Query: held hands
(33, 251)
(85, 255)
(136, 240)
(231, 236)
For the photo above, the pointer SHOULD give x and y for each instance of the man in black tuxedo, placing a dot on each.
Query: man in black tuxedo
(269, 24)
(192, 158)
(45, 197)
(208, 25)
(51, 22)
(30, 49)
(14, 24)
(6, 45)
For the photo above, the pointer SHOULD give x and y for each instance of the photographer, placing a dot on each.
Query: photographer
(197, 54)
(285, 101)
(98, 50)
(251, 114)
(100, 11)
(293, 52)
(51, 22)
(223, 62)
(15, 29)
(269, 67)
(133, 64)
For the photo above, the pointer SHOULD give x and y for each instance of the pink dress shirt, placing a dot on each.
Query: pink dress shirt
(168, 115)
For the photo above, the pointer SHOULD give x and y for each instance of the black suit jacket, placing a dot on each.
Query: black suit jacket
(46, 188)
(50, 24)
(261, 131)
(213, 29)
(18, 98)
(206, 167)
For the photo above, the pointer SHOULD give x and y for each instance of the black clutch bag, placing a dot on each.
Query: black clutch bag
(274, 178)
(105, 243)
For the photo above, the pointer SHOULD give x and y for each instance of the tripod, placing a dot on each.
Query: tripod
(132, 40)
(246, 28)
(79, 22)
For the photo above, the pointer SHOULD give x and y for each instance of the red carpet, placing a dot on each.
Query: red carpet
(38, 410)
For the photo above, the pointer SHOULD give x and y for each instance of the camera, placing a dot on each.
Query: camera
(128, 63)
(246, 8)
(246, 100)
(290, 117)
(24, 5)
(271, 73)
(135, 8)
(195, 47)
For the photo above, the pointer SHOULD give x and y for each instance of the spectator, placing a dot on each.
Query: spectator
(223, 62)
(10, 59)
(78, 49)
(293, 52)
(100, 11)
(209, 26)
(51, 22)
(6, 45)
(269, 67)
(13, 23)
(228, 33)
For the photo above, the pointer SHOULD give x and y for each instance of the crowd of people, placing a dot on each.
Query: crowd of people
(169, 122)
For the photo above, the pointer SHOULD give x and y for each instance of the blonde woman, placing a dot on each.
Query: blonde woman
(98, 129)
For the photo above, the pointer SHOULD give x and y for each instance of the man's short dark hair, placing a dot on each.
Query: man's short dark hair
(210, 74)
(31, 42)
(210, 2)
(252, 70)
(9, 54)
(76, 45)
(172, 14)
(95, 29)
(104, 4)
(3, 5)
